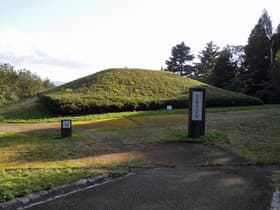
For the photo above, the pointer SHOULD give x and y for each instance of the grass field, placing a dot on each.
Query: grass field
(137, 139)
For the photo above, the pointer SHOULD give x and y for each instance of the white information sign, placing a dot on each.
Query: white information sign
(66, 124)
(169, 107)
(197, 102)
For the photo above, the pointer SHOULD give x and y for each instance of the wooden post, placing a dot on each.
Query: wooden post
(197, 112)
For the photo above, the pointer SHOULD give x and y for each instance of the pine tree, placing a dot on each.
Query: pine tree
(272, 91)
(275, 43)
(258, 56)
(207, 60)
(180, 55)
(224, 70)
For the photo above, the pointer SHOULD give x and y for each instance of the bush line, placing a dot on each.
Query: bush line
(78, 106)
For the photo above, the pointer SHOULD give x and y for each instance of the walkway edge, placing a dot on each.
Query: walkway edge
(43, 196)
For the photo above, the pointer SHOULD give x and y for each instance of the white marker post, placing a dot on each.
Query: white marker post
(197, 112)
(169, 107)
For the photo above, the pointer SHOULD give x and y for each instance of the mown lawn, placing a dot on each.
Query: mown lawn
(255, 138)
(31, 111)
(17, 183)
(35, 150)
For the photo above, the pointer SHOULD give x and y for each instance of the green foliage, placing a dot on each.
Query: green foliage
(21, 182)
(221, 68)
(258, 57)
(272, 90)
(223, 71)
(261, 77)
(17, 85)
(118, 90)
(207, 60)
(247, 69)
(180, 54)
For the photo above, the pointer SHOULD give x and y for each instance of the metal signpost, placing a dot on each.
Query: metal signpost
(66, 128)
(197, 112)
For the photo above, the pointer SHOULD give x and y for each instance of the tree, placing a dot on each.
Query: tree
(207, 60)
(275, 44)
(16, 85)
(180, 55)
(224, 70)
(8, 78)
(258, 54)
(272, 91)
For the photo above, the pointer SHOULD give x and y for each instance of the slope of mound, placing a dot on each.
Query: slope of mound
(133, 89)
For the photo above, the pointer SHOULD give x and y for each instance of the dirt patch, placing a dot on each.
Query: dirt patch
(27, 127)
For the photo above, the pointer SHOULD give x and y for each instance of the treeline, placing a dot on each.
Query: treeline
(253, 69)
(17, 85)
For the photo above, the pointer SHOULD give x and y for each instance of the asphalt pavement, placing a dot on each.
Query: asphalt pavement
(190, 188)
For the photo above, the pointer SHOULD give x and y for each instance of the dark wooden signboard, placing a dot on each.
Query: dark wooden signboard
(197, 112)
(66, 128)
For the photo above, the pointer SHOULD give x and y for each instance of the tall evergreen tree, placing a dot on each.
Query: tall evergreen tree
(258, 54)
(224, 70)
(272, 91)
(207, 60)
(275, 43)
(180, 55)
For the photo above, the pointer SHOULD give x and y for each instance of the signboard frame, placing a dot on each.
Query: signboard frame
(66, 131)
(197, 112)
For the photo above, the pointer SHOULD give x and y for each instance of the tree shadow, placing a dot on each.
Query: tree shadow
(115, 142)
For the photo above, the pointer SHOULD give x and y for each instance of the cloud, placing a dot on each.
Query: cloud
(23, 49)
(39, 57)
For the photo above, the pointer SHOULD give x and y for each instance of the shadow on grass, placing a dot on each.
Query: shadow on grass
(116, 142)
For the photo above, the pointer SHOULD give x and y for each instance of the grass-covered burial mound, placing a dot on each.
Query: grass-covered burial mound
(116, 90)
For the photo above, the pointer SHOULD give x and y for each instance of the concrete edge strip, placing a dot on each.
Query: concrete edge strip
(75, 191)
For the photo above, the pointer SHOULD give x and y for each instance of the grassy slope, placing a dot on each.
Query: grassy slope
(134, 89)
(134, 83)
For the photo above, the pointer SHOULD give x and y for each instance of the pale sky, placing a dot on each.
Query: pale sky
(66, 39)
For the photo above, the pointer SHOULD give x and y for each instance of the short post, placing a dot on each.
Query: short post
(66, 128)
(169, 107)
(197, 112)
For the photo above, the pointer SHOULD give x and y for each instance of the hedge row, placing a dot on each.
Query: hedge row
(79, 106)
(231, 100)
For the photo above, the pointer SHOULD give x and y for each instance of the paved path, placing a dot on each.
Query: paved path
(182, 187)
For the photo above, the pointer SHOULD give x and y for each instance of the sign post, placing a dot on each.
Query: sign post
(197, 112)
(169, 107)
(66, 128)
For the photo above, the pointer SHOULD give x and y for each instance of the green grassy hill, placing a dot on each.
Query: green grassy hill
(116, 90)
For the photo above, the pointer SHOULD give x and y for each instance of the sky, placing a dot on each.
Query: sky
(64, 40)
